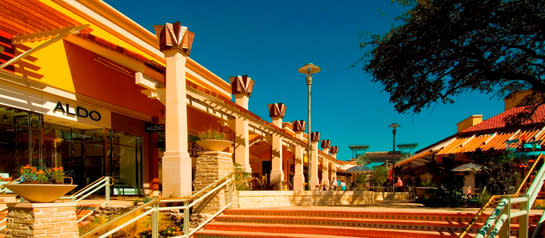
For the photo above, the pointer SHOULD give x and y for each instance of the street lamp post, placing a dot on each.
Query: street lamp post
(308, 70)
(394, 127)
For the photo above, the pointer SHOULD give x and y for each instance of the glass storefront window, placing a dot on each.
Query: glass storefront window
(126, 163)
(86, 155)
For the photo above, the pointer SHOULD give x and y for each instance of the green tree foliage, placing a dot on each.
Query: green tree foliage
(442, 48)
(502, 171)
(380, 175)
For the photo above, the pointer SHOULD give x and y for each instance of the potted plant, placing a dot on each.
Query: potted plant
(426, 190)
(213, 140)
(41, 185)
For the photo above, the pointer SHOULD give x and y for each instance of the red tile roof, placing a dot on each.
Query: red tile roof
(498, 121)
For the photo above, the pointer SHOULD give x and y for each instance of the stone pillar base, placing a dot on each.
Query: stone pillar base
(211, 166)
(277, 177)
(176, 167)
(298, 182)
(313, 182)
(42, 220)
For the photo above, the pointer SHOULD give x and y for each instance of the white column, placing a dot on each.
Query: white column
(242, 87)
(277, 174)
(325, 169)
(334, 150)
(176, 164)
(242, 145)
(314, 166)
(298, 177)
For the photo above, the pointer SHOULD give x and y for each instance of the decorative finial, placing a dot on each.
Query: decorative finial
(174, 36)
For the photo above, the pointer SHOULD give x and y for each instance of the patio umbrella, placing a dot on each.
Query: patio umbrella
(470, 167)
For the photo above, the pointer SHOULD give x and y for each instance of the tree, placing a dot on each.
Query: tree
(442, 48)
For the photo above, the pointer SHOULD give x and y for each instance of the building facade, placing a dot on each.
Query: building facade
(84, 87)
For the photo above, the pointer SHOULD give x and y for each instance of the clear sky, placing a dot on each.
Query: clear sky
(270, 40)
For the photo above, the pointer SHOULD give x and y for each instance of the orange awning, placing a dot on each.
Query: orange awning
(417, 158)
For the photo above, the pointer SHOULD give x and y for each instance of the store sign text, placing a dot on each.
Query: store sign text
(78, 111)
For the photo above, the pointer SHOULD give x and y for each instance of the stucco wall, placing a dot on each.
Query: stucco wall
(256, 199)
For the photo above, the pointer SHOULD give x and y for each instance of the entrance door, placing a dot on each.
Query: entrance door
(125, 165)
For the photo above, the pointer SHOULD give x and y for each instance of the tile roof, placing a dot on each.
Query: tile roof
(498, 121)
(491, 134)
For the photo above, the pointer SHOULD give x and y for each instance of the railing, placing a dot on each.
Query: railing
(494, 198)
(105, 182)
(227, 182)
(146, 206)
(3, 221)
(499, 221)
(153, 208)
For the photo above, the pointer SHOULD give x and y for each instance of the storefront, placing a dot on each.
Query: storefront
(86, 151)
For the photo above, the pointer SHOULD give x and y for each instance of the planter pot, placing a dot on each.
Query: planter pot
(214, 145)
(425, 192)
(41, 192)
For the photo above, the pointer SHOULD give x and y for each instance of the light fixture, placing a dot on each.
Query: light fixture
(308, 70)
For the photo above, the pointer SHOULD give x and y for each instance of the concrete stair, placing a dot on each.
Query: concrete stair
(341, 222)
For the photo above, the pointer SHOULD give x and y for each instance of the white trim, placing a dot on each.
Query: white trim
(114, 26)
(216, 87)
(490, 138)
(538, 134)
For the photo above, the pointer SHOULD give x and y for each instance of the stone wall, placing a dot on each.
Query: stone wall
(257, 199)
(42, 220)
(211, 166)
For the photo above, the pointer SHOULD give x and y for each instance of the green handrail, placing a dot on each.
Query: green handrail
(504, 207)
(496, 197)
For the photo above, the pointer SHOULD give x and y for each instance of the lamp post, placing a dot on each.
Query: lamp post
(394, 127)
(308, 70)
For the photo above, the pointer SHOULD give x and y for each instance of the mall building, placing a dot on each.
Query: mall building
(84, 87)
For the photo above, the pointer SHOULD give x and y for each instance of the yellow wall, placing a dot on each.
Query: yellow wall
(48, 65)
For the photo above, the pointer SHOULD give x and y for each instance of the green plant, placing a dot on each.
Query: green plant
(31, 174)
(426, 180)
(241, 178)
(380, 175)
(212, 135)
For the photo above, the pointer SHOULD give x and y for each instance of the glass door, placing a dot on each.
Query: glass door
(125, 154)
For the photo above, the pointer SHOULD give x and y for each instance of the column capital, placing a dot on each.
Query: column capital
(241, 85)
(277, 110)
(334, 149)
(315, 136)
(299, 126)
(174, 36)
(326, 144)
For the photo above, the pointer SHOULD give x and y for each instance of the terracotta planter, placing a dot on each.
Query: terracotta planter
(41, 192)
(214, 145)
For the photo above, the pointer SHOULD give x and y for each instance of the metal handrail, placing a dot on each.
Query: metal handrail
(504, 207)
(496, 197)
(142, 207)
(186, 207)
(153, 209)
(104, 182)
(3, 220)
(197, 194)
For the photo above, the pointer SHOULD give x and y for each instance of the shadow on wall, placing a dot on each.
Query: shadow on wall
(257, 199)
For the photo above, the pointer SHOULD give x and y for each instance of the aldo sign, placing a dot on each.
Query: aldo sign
(77, 111)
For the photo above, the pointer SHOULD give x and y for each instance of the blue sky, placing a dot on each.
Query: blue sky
(270, 40)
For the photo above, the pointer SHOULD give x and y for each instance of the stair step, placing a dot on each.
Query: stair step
(336, 232)
(380, 214)
(345, 222)
(218, 234)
